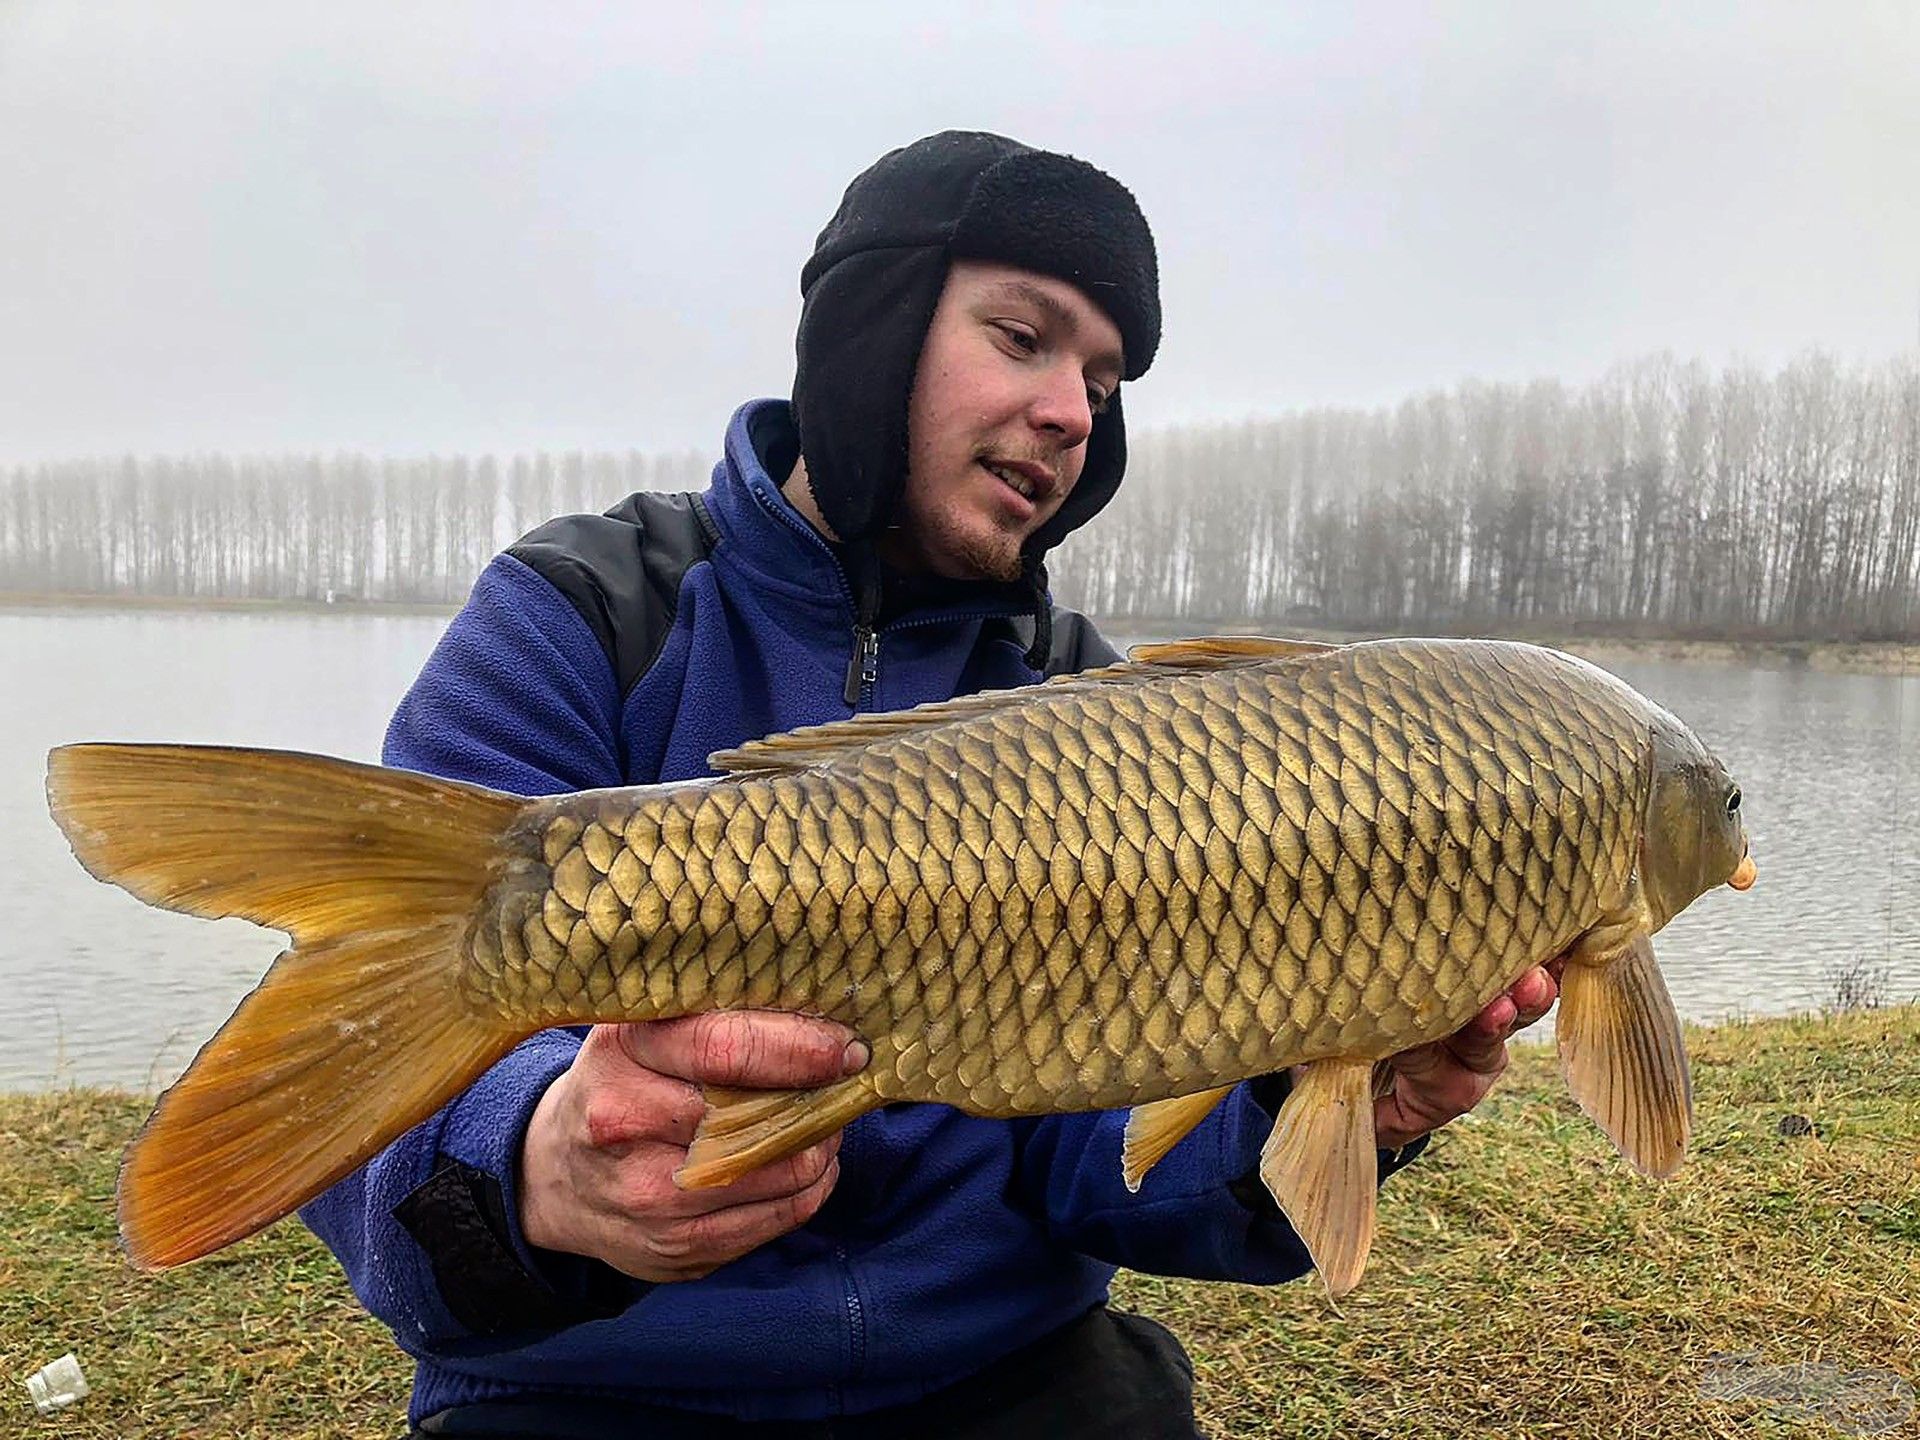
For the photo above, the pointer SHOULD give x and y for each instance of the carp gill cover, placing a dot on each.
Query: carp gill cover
(1136, 887)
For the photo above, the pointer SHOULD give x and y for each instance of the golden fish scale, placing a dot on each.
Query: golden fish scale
(1101, 897)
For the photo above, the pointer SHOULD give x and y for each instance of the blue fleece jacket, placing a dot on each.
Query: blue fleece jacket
(949, 1240)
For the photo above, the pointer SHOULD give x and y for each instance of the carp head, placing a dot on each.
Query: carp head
(1694, 837)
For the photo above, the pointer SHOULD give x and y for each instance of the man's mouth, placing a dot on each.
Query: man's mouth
(1030, 482)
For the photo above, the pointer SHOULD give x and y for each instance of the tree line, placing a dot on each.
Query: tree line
(1664, 496)
(340, 528)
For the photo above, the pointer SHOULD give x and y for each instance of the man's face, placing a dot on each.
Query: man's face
(1014, 368)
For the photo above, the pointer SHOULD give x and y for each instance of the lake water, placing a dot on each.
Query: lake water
(98, 988)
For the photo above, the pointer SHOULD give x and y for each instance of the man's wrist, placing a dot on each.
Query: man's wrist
(540, 1223)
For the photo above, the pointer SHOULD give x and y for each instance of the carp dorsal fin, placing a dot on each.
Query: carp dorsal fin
(813, 744)
(1218, 652)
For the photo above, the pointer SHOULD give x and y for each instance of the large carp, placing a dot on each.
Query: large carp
(1131, 887)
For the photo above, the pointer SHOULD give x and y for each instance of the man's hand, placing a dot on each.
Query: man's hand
(597, 1163)
(1436, 1083)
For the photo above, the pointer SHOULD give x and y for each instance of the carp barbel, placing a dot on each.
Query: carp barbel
(1135, 886)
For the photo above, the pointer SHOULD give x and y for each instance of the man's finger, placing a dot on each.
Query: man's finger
(634, 1106)
(1422, 1065)
(757, 1049)
(773, 1181)
(730, 1232)
(1532, 995)
(1492, 1024)
(1481, 1044)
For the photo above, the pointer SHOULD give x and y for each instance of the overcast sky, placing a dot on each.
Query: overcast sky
(409, 228)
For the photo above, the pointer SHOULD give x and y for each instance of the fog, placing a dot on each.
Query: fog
(508, 228)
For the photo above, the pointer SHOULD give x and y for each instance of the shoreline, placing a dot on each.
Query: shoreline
(223, 604)
(1833, 656)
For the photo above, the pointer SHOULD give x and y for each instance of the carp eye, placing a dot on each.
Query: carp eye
(1733, 802)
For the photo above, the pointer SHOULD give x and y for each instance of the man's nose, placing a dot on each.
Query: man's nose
(1062, 406)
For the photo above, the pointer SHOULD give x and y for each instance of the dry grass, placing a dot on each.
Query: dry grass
(263, 1340)
(1525, 1283)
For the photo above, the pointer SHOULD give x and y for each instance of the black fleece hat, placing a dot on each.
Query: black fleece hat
(876, 274)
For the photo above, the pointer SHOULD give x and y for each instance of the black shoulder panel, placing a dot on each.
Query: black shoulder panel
(458, 1216)
(1076, 644)
(622, 570)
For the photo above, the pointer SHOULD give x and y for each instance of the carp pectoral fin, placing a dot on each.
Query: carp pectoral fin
(1625, 1061)
(1383, 1079)
(1321, 1167)
(1157, 1126)
(745, 1129)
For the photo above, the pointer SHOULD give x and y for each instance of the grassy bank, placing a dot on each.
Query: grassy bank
(1524, 1283)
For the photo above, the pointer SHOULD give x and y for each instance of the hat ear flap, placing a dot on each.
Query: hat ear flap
(1099, 479)
(862, 328)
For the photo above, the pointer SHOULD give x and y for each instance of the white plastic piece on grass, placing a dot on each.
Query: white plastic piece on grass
(56, 1386)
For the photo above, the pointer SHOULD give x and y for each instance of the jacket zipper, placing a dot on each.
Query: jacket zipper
(856, 1317)
(863, 666)
(863, 670)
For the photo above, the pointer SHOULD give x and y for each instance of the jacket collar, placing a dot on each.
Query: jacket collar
(775, 541)
(765, 534)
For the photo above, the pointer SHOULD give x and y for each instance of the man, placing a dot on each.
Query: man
(971, 313)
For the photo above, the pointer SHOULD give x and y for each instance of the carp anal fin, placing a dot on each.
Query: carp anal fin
(1321, 1167)
(745, 1129)
(1624, 1058)
(1157, 1126)
(816, 744)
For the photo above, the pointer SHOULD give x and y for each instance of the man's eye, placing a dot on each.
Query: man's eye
(1022, 341)
(1096, 402)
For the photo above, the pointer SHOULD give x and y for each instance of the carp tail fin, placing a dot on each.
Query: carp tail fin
(357, 1032)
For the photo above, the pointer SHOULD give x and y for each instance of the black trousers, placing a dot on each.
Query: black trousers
(1105, 1376)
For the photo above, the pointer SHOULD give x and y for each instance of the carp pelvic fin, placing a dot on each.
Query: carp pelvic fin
(745, 1129)
(1624, 1057)
(358, 1032)
(1321, 1167)
(1157, 1126)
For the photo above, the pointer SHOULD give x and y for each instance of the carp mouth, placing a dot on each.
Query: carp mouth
(1745, 873)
